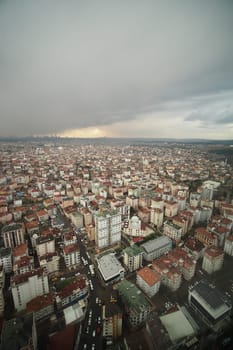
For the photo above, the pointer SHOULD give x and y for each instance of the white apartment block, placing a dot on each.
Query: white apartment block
(45, 245)
(212, 259)
(6, 259)
(27, 286)
(156, 216)
(50, 262)
(71, 255)
(108, 228)
(172, 230)
(228, 246)
(13, 235)
(132, 257)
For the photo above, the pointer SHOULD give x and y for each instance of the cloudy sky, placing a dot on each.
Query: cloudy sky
(116, 68)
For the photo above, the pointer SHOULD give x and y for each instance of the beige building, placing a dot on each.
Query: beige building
(212, 259)
(228, 246)
(148, 280)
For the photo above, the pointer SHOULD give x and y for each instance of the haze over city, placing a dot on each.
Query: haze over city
(117, 69)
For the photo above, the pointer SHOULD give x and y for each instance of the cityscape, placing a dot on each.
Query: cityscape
(116, 245)
(116, 175)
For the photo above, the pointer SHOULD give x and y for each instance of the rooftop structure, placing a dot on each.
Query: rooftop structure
(110, 268)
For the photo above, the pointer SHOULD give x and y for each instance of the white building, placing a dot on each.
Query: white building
(133, 228)
(156, 216)
(71, 255)
(110, 268)
(212, 259)
(2, 284)
(45, 245)
(27, 286)
(108, 228)
(6, 259)
(148, 280)
(133, 257)
(13, 235)
(228, 246)
(172, 230)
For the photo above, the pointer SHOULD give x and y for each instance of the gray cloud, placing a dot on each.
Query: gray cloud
(76, 64)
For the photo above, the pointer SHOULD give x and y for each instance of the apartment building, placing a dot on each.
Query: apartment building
(212, 259)
(132, 256)
(72, 292)
(172, 230)
(148, 280)
(136, 306)
(206, 237)
(45, 244)
(27, 286)
(170, 275)
(185, 264)
(13, 235)
(42, 306)
(50, 262)
(2, 284)
(71, 255)
(6, 259)
(107, 228)
(111, 321)
(228, 246)
(157, 216)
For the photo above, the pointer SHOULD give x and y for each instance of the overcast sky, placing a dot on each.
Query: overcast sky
(116, 68)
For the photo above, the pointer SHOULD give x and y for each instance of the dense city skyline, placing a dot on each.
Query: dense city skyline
(105, 69)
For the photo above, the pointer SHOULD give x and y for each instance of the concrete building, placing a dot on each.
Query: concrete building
(107, 228)
(156, 216)
(27, 286)
(13, 235)
(172, 230)
(212, 259)
(2, 284)
(133, 227)
(111, 321)
(133, 257)
(50, 262)
(228, 246)
(206, 237)
(136, 306)
(75, 290)
(154, 248)
(184, 262)
(6, 259)
(110, 268)
(19, 333)
(42, 306)
(209, 303)
(170, 275)
(71, 255)
(45, 245)
(148, 280)
(77, 219)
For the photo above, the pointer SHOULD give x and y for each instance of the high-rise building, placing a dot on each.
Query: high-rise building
(13, 235)
(107, 228)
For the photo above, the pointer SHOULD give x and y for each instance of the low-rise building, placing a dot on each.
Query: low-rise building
(154, 248)
(209, 303)
(206, 237)
(110, 268)
(184, 262)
